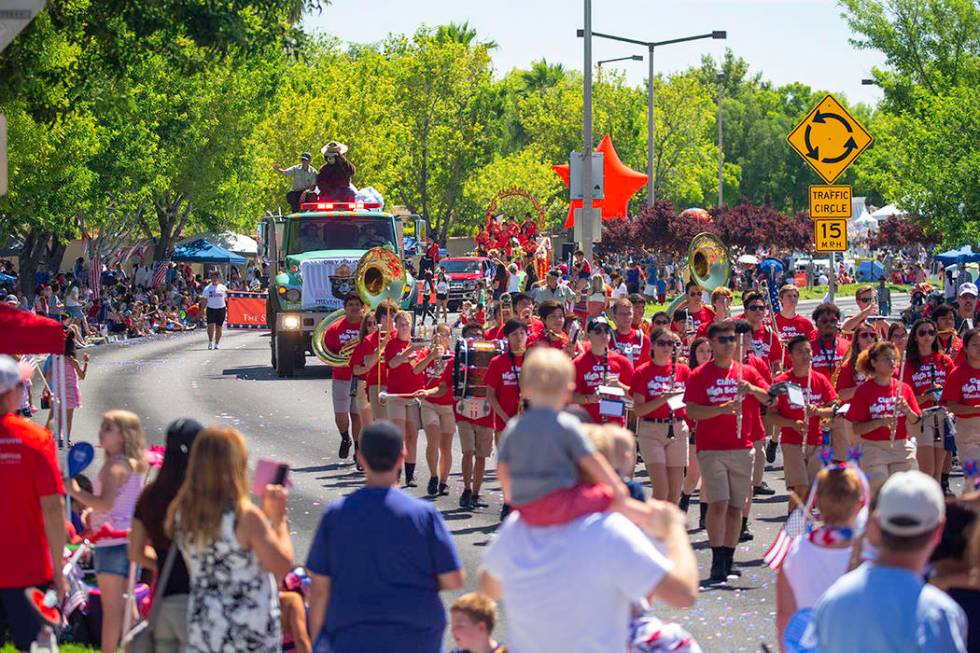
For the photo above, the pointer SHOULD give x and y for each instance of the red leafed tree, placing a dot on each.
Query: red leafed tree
(901, 232)
(618, 236)
(681, 230)
(748, 225)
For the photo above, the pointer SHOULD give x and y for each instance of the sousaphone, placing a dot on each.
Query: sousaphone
(708, 264)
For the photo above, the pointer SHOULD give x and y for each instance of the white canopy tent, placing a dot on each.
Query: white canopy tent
(230, 241)
(888, 211)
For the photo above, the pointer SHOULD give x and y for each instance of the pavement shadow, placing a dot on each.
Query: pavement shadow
(266, 373)
(332, 467)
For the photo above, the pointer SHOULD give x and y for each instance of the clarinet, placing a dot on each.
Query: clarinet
(898, 394)
(673, 381)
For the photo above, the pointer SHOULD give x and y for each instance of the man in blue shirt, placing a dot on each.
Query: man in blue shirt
(885, 605)
(378, 561)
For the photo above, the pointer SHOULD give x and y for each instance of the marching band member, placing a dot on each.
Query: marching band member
(694, 304)
(846, 381)
(661, 432)
(721, 301)
(898, 335)
(700, 354)
(555, 336)
(800, 434)
(639, 304)
(475, 439)
(599, 366)
(765, 341)
(746, 356)
(438, 422)
(880, 410)
(337, 335)
(788, 322)
(829, 347)
(926, 369)
(961, 396)
(504, 373)
(723, 399)
(524, 310)
(399, 356)
(364, 362)
(945, 319)
(631, 343)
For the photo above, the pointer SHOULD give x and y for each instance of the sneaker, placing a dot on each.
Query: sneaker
(443, 489)
(465, 498)
(685, 502)
(771, 447)
(215, 345)
(345, 444)
(433, 487)
(410, 482)
(357, 465)
(210, 345)
(504, 511)
(746, 535)
(763, 490)
(477, 502)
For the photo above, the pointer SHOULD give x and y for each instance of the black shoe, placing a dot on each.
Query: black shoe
(358, 466)
(443, 489)
(731, 571)
(684, 503)
(465, 498)
(771, 447)
(475, 502)
(504, 511)
(345, 444)
(719, 571)
(763, 489)
(746, 535)
(433, 487)
(410, 482)
(704, 516)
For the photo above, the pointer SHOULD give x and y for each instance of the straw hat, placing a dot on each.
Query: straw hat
(333, 148)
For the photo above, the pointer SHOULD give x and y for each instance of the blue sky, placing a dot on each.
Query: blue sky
(785, 40)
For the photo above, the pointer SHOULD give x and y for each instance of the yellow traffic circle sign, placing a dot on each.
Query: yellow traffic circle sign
(830, 235)
(829, 139)
(830, 202)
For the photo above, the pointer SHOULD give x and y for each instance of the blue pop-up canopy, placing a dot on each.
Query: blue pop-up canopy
(201, 251)
(964, 254)
(870, 271)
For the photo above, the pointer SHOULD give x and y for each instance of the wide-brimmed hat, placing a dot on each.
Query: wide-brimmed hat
(333, 148)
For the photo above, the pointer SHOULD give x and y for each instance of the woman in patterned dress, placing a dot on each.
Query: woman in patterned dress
(232, 548)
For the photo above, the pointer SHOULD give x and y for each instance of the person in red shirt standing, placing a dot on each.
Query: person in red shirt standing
(524, 310)
(881, 408)
(926, 369)
(337, 336)
(789, 323)
(961, 396)
(34, 512)
(553, 316)
(475, 440)
(438, 420)
(846, 381)
(661, 431)
(765, 340)
(696, 310)
(403, 409)
(800, 435)
(829, 347)
(365, 364)
(745, 355)
(715, 394)
(600, 366)
(504, 374)
(631, 343)
(639, 303)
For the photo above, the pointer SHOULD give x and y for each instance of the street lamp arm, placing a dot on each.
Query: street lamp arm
(579, 33)
(657, 44)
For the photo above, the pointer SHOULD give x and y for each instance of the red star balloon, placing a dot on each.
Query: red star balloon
(620, 184)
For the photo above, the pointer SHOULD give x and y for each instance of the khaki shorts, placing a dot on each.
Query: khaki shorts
(657, 449)
(438, 417)
(925, 432)
(403, 409)
(801, 462)
(968, 438)
(475, 439)
(377, 410)
(842, 437)
(882, 458)
(727, 475)
(340, 394)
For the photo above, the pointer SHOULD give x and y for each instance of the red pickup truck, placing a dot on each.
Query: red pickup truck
(463, 273)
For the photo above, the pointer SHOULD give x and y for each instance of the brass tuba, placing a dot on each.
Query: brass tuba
(708, 264)
(379, 276)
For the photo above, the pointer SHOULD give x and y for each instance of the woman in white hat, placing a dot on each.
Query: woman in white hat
(334, 176)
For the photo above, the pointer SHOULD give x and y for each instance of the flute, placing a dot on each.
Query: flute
(673, 382)
(738, 389)
(898, 394)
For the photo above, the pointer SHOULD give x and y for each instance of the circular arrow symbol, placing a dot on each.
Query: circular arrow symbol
(814, 152)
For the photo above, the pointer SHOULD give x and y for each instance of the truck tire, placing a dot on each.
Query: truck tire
(285, 356)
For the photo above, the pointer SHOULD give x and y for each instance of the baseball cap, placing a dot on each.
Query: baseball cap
(910, 503)
(305, 156)
(12, 300)
(12, 373)
(967, 289)
(597, 322)
(381, 444)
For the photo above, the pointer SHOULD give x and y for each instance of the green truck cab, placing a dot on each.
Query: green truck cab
(312, 256)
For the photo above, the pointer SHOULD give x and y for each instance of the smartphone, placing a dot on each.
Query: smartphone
(281, 472)
(269, 472)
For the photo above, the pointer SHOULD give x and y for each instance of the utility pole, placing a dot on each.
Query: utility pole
(721, 151)
(586, 214)
(650, 129)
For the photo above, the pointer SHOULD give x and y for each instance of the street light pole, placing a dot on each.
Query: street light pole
(721, 151)
(650, 128)
(586, 213)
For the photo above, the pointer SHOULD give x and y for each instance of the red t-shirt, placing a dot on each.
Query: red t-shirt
(710, 385)
(703, 315)
(931, 371)
(819, 393)
(590, 371)
(828, 354)
(849, 377)
(402, 379)
(873, 401)
(651, 381)
(963, 387)
(503, 375)
(761, 366)
(28, 471)
(635, 346)
(766, 345)
(790, 327)
(436, 373)
(335, 337)
(496, 333)
(363, 349)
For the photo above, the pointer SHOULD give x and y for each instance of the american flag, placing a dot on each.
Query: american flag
(795, 527)
(95, 277)
(159, 273)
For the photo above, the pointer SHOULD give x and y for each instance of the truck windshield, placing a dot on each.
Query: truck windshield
(460, 267)
(311, 234)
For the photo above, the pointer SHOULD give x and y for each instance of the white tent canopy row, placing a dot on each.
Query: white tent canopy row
(230, 241)
(888, 211)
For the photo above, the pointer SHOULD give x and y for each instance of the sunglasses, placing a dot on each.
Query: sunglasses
(664, 343)
(604, 330)
(755, 308)
(929, 332)
(868, 334)
(724, 340)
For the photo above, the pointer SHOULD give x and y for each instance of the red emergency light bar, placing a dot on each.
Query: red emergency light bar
(339, 206)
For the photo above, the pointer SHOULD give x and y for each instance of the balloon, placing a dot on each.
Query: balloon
(79, 457)
(619, 181)
(697, 215)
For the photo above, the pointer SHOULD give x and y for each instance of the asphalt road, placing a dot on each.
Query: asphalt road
(166, 377)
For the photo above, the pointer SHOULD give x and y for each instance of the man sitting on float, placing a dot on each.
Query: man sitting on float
(333, 178)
